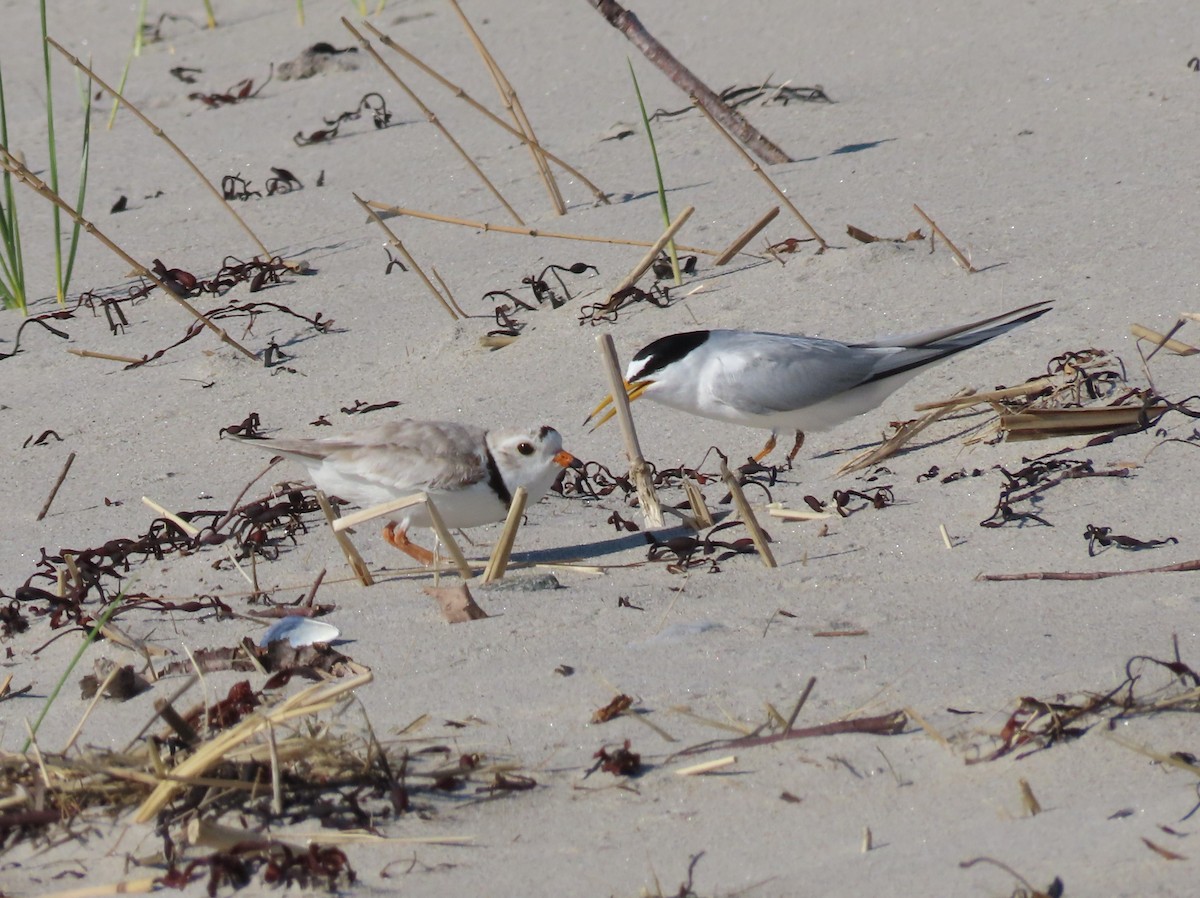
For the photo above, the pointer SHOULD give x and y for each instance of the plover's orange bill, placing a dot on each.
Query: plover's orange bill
(792, 382)
(469, 473)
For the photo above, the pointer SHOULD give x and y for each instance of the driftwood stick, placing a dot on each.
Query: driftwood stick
(498, 562)
(883, 725)
(748, 518)
(962, 260)
(1181, 567)
(745, 237)
(629, 25)
(62, 475)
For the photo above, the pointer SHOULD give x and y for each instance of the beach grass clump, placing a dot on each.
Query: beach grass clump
(662, 192)
(13, 284)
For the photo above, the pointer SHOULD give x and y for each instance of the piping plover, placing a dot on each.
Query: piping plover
(785, 381)
(470, 473)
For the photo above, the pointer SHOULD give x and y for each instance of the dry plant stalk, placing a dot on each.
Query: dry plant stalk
(498, 563)
(1044, 423)
(1163, 341)
(629, 25)
(527, 232)
(25, 176)
(313, 700)
(62, 475)
(745, 237)
(508, 96)
(478, 107)
(652, 514)
(893, 444)
(447, 539)
(354, 559)
(90, 354)
(655, 248)
(159, 132)
(702, 518)
(961, 401)
(412, 263)
(433, 120)
(962, 260)
(757, 169)
(707, 766)
(445, 289)
(748, 518)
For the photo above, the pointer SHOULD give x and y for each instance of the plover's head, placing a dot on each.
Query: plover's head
(532, 458)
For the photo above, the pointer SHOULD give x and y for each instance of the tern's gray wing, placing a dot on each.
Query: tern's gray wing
(400, 455)
(763, 374)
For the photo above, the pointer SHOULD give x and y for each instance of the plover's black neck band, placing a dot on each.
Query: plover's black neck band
(495, 481)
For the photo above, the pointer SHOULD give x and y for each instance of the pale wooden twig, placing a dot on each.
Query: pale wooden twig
(447, 539)
(652, 513)
(508, 96)
(343, 540)
(893, 444)
(478, 107)
(707, 766)
(963, 400)
(377, 511)
(412, 263)
(757, 169)
(25, 176)
(192, 531)
(159, 132)
(62, 475)
(745, 237)
(962, 260)
(433, 120)
(655, 248)
(142, 886)
(747, 513)
(1163, 341)
(445, 289)
(1181, 567)
(498, 562)
(528, 232)
(89, 354)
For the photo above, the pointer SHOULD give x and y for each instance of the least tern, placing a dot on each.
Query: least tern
(470, 473)
(792, 382)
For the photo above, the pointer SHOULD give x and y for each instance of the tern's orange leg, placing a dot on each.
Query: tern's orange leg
(399, 539)
(767, 449)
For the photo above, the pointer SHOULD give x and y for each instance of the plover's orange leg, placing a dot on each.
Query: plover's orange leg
(767, 449)
(399, 539)
(791, 456)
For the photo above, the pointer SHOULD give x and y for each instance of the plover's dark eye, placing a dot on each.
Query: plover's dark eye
(525, 448)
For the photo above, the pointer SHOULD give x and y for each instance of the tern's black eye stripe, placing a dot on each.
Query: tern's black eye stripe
(667, 350)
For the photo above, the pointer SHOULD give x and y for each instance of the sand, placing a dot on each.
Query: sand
(1053, 142)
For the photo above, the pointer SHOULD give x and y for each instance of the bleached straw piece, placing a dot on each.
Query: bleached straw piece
(652, 513)
(377, 511)
(655, 249)
(796, 514)
(479, 107)
(447, 539)
(962, 260)
(498, 563)
(193, 532)
(963, 400)
(527, 232)
(142, 886)
(412, 263)
(1163, 341)
(701, 515)
(748, 518)
(892, 445)
(210, 834)
(354, 559)
(745, 237)
(707, 766)
(757, 169)
(91, 354)
(62, 475)
(433, 120)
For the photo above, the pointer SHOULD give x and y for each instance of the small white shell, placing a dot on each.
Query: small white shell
(299, 631)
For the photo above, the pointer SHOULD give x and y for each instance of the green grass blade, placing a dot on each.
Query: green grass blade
(58, 259)
(12, 266)
(85, 91)
(662, 193)
(91, 637)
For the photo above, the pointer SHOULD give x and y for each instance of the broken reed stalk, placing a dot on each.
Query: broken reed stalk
(707, 766)
(629, 25)
(745, 237)
(808, 688)
(652, 513)
(655, 248)
(962, 260)
(433, 120)
(964, 400)
(62, 475)
(193, 532)
(89, 354)
(313, 700)
(1181, 567)
(143, 886)
(445, 288)
(384, 39)
(25, 176)
(1044, 423)
(447, 540)
(498, 562)
(527, 232)
(159, 132)
(508, 96)
(1163, 341)
(701, 517)
(352, 557)
(896, 441)
(412, 263)
(377, 511)
(757, 169)
(747, 513)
